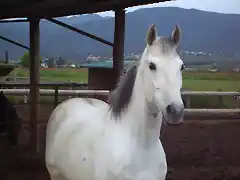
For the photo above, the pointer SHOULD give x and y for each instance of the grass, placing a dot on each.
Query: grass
(211, 81)
(56, 75)
(64, 75)
(211, 85)
(199, 81)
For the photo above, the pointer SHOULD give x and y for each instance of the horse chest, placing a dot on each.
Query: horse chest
(142, 164)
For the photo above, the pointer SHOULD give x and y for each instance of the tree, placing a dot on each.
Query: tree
(25, 60)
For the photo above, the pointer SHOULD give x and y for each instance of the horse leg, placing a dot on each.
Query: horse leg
(54, 173)
(57, 177)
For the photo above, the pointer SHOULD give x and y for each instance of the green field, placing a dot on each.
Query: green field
(211, 81)
(200, 81)
(55, 75)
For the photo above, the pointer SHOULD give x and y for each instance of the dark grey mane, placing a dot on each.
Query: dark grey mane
(120, 97)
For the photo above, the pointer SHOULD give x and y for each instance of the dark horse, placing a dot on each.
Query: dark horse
(10, 122)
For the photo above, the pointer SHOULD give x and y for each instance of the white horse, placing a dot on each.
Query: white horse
(88, 139)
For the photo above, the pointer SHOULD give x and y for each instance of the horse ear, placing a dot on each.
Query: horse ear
(176, 35)
(151, 34)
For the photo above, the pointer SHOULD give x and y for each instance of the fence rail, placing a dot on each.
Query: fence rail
(50, 85)
(191, 112)
(52, 92)
(210, 93)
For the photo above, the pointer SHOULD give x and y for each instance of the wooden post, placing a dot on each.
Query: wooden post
(34, 82)
(118, 48)
(6, 61)
(56, 97)
(70, 88)
(238, 99)
(188, 101)
(220, 100)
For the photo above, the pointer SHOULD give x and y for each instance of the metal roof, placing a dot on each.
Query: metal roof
(57, 8)
(103, 64)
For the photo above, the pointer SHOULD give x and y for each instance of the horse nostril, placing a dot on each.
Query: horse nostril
(172, 109)
(169, 109)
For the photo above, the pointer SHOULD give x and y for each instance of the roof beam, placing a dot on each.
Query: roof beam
(50, 8)
(80, 31)
(14, 42)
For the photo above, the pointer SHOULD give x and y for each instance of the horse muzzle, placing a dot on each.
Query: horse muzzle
(174, 114)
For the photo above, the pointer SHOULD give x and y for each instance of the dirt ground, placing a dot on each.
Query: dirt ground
(196, 150)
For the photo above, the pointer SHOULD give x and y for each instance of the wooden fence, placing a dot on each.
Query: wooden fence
(83, 91)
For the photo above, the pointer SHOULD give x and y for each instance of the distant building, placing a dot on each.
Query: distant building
(213, 70)
(44, 65)
(93, 58)
(236, 70)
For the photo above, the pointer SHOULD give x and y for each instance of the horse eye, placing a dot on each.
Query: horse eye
(152, 66)
(182, 67)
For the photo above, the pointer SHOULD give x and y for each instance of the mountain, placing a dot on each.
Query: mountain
(201, 32)
(75, 20)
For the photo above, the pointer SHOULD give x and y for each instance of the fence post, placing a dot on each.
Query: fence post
(56, 96)
(188, 101)
(25, 97)
(70, 88)
(238, 98)
(220, 99)
(14, 77)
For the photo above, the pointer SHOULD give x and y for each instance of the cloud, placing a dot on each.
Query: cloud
(221, 6)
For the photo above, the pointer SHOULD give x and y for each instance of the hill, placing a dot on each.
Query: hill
(201, 32)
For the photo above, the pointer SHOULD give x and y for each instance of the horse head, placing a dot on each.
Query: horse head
(161, 72)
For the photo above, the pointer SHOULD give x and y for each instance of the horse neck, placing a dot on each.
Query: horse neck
(140, 125)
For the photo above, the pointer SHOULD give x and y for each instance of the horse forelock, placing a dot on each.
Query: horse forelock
(162, 45)
(121, 96)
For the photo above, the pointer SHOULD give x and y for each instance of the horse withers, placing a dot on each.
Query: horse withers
(88, 139)
(10, 122)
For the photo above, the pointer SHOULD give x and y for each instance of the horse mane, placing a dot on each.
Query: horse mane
(121, 96)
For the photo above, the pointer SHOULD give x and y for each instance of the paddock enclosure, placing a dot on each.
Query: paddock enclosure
(199, 149)
(202, 148)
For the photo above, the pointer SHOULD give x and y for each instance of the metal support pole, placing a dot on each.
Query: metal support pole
(6, 61)
(80, 31)
(13, 42)
(118, 48)
(34, 81)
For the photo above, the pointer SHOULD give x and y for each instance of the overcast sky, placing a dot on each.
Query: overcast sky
(222, 6)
